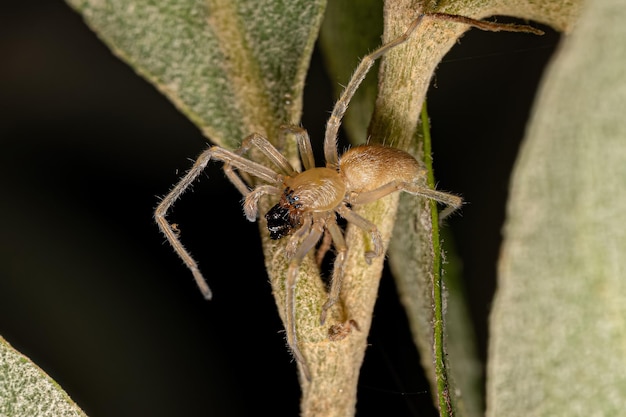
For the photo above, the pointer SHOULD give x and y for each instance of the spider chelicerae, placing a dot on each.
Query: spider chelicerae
(309, 201)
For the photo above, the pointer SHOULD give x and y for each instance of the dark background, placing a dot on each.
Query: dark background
(90, 292)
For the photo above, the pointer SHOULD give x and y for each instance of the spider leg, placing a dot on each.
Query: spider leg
(334, 121)
(166, 227)
(452, 201)
(236, 180)
(244, 164)
(304, 144)
(337, 279)
(251, 202)
(366, 225)
(294, 240)
(485, 24)
(267, 149)
(160, 213)
(313, 232)
(324, 247)
(264, 145)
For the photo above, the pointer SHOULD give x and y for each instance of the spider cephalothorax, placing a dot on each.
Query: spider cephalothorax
(314, 190)
(310, 200)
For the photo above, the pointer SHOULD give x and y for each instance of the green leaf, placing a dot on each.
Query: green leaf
(558, 326)
(27, 391)
(233, 67)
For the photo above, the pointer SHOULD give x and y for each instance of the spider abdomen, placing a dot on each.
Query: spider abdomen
(367, 167)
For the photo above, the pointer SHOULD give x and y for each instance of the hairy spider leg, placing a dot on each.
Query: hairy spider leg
(341, 248)
(337, 278)
(252, 197)
(339, 110)
(334, 121)
(323, 248)
(452, 201)
(160, 213)
(259, 141)
(367, 226)
(313, 231)
(166, 227)
(265, 146)
(304, 144)
(298, 235)
(299, 245)
(251, 201)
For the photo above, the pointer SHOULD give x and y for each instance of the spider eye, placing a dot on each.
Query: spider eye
(278, 222)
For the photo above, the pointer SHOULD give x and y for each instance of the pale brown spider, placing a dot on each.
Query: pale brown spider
(309, 201)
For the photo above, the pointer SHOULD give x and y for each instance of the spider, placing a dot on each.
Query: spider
(310, 200)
